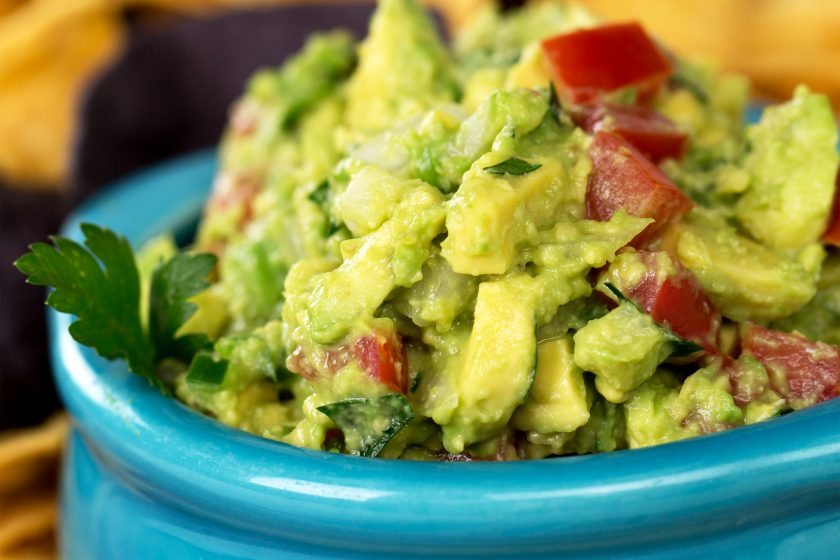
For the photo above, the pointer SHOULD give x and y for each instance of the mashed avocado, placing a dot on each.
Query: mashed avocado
(414, 260)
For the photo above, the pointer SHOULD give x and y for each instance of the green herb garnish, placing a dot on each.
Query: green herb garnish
(320, 193)
(679, 346)
(180, 278)
(98, 282)
(206, 372)
(554, 105)
(513, 166)
(369, 424)
(680, 80)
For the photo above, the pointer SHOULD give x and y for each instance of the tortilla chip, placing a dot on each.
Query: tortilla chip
(27, 521)
(26, 455)
(29, 461)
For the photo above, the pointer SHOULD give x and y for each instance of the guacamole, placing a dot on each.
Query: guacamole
(551, 238)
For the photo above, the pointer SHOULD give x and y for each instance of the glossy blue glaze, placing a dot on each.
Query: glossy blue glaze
(147, 477)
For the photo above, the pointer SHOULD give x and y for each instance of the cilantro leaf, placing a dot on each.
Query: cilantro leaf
(360, 419)
(554, 105)
(206, 372)
(180, 278)
(513, 166)
(98, 283)
(320, 194)
(680, 346)
(680, 80)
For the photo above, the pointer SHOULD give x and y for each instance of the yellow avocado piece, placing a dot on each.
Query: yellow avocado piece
(557, 401)
(499, 363)
(488, 216)
(745, 280)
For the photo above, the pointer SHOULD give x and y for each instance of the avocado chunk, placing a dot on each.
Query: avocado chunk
(439, 298)
(605, 430)
(752, 390)
(622, 348)
(308, 77)
(369, 199)
(568, 251)
(403, 68)
(488, 219)
(820, 318)
(745, 280)
(647, 412)
(558, 400)
(705, 403)
(498, 367)
(792, 165)
(375, 264)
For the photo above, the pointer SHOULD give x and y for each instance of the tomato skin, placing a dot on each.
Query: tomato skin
(832, 233)
(384, 358)
(381, 354)
(676, 301)
(651, 133)
(811, 369)
(232, 190)
(624, 178)
(590, 62)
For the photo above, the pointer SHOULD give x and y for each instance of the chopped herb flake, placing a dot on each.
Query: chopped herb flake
(513, 166)
(206, 372)
(369, 424)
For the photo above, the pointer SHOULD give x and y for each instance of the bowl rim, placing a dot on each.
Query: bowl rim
(682, 490)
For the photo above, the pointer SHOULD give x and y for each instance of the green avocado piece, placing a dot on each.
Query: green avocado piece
(705, 402)
(369, 199)
(403, 69)
(820, 318)
(375, 264)
(558, 400)
(647, 412)
(792, 164)
(488, 218)
(252, 273)
(568, 251)
(605, 430)
(498, 366)
(308, 77)
(745, 280)
(757, 397)
(622, 348)
(439, 298)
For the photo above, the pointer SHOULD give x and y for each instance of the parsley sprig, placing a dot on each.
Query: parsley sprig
(99, 283)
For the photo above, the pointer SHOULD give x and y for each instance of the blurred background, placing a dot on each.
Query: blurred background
(93, 89)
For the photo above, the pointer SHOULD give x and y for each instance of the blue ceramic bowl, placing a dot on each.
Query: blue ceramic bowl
(147, 477)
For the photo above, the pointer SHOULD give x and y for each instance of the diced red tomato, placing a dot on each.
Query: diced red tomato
(800, 370)
(651, 133)
(589, 62)
(832, 233)
(234, 191)
(624, 178)
(743, 391)
(383, 356)
(320, 361)
(676, 300)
